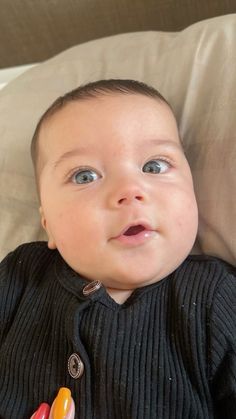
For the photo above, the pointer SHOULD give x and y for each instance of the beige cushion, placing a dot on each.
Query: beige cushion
(194, 69)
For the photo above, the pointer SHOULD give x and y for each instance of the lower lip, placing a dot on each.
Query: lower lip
(136, 239)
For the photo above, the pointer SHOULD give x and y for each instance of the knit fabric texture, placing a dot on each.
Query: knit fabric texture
(168, 352)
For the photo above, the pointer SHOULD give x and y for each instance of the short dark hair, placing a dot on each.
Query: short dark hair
(89, 91)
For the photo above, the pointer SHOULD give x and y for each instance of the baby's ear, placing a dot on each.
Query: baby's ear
(51, 241)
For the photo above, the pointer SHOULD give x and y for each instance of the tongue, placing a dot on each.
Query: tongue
(134, 230)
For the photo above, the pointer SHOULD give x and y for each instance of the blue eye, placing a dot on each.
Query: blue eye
(84, 176)
(156, 166)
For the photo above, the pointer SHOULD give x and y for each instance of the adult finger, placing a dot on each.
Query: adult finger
(63, 406)
(42, 412)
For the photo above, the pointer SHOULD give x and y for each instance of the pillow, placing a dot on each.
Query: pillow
(194, 69)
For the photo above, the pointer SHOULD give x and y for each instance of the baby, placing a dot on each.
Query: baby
(113, 307)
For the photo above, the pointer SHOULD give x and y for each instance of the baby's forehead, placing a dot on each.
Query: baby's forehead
(103, 103)
(77, 113)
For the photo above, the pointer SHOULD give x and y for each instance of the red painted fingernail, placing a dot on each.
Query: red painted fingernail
(42, 412)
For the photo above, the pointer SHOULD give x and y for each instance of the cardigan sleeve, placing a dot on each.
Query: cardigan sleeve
(223, 348)
(12, 283)
(17, 270)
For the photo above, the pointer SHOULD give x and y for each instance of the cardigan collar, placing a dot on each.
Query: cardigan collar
(75, 283)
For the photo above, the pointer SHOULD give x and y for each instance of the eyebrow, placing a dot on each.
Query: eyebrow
(163, 142)
(71, 153)
(153, 141)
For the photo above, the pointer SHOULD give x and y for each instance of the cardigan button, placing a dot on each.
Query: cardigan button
(75, 366)
(91, 287)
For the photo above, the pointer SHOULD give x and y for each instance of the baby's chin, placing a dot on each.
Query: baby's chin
(121, 291)
(130, 282)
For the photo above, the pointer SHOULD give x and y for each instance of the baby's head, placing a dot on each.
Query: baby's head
(116, 191)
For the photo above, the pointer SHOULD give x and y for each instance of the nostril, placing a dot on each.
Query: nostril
(138, 198)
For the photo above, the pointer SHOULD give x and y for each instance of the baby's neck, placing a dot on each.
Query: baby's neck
(119, 296)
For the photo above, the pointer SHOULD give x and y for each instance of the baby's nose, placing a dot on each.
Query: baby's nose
(128, 194)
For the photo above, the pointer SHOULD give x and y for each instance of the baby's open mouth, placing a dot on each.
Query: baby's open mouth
(135, 235)
(132, 231)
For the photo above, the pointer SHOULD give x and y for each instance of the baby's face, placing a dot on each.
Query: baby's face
(117, 197)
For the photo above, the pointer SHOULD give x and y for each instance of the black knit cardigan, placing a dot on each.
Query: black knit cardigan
(168, 352)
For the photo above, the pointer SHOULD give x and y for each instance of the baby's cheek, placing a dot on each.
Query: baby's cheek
(192, 222)
(187, 216)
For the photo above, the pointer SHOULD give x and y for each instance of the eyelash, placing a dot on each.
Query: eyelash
(164, 159)
(73, 172)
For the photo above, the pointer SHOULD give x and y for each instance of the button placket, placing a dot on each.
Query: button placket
(75, 364)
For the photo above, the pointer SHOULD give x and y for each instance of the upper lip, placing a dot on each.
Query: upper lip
(144, 224)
